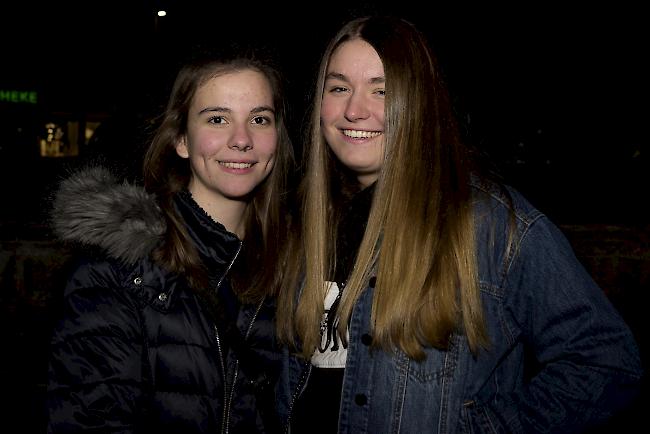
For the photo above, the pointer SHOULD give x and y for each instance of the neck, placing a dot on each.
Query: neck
(228, 212)
(232, 217)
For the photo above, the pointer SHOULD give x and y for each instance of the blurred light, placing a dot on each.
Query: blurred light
(162, 13)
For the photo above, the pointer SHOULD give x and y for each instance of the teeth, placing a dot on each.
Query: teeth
(232, 165)
(356, 134)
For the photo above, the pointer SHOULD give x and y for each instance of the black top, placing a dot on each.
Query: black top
(317, 408)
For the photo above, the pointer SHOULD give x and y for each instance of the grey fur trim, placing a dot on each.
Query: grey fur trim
(91, 207)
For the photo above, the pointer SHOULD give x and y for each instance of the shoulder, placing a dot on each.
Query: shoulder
(96, 271)
(92, 208)
(95, 264)
(506, 219)
(502, 202)
(99, 279)
(100, 306)
(502, 214)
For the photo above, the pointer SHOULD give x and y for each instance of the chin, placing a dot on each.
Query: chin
(239, 195)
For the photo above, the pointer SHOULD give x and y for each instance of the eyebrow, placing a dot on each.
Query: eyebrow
(342, 77)
(258, 109)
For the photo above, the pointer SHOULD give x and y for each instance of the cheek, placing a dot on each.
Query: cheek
(328, 110)
(205, 142)
(379, 113)
(266, 144)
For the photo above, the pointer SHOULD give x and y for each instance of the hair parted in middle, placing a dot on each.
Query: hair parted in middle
(419, 240)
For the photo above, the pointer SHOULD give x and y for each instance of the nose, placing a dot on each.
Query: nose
(241, 139)
(356, 108)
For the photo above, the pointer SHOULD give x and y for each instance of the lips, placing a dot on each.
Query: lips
(235, 165)
(360, 134)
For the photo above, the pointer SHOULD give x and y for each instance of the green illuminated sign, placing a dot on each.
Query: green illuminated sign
(18, 96)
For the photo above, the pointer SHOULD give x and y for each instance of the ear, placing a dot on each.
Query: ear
(181, 147)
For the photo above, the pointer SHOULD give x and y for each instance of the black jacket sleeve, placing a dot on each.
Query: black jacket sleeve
(96, 371)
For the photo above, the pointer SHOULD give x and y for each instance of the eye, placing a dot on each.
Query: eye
(261, 120)
(216, 120)
(381, 92)
(338, 89)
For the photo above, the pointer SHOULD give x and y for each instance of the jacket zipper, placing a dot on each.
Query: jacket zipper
(226, 404)
(302, 383)
(234, 379)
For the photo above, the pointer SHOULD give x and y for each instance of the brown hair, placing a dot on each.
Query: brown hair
(419, 238)
(165, 174)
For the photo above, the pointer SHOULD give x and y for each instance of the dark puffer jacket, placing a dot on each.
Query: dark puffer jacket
(136, 349)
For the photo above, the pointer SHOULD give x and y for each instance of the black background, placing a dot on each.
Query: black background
(554, 93)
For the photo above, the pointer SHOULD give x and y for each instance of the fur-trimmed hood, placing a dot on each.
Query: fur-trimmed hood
(93, 208)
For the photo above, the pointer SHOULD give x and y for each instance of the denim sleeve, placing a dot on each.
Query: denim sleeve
(586, 361)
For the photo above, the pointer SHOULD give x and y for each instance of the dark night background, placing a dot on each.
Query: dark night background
(555, 94)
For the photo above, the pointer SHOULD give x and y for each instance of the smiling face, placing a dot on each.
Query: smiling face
(231, 138)
(352, 109)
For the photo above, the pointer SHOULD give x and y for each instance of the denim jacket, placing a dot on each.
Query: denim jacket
(560, 358)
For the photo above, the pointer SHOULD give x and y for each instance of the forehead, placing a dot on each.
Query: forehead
(246, 84)
(356, 57)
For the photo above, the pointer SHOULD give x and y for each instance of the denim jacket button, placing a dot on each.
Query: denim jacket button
(162, 297)
(366, 339)
(360, 399)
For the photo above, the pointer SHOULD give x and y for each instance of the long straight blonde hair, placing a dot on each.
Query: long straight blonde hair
(419, 240)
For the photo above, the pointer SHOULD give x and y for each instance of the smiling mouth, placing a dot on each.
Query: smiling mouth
(359, 134)
(233, 165)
